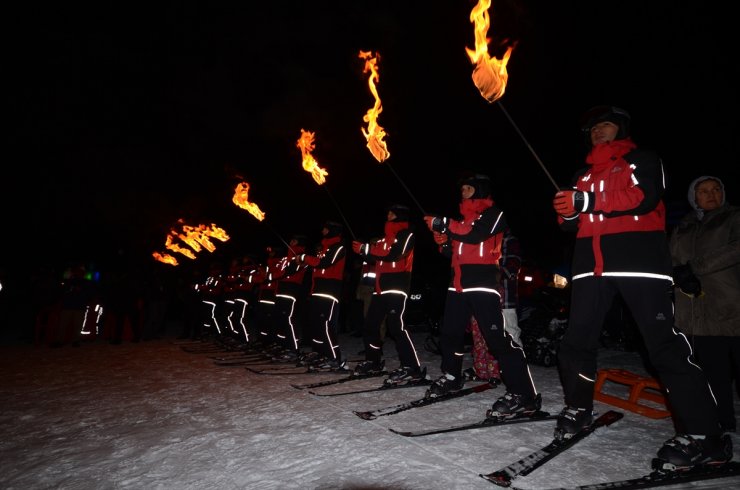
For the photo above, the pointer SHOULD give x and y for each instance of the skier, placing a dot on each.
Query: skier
(616, 206)
(326, 292)
(474, 245)
(394, 257)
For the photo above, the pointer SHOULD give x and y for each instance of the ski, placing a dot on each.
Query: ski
(253, 362)
(518, 418)
(383, 387)
(206, 349)
(292, 370)
(662, 477)
(351, 377)
(231, 355)
(528, 464)
(211, 348)
(421, 402)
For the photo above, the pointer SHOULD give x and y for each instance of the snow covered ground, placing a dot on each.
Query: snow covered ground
(153, 416)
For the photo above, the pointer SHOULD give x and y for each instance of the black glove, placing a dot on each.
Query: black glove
(685, 279)
(436, 223)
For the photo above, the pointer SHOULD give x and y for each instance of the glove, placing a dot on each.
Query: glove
(440, 238)
(685, 279)
(356, 246)
(569, 203)
(435, 223)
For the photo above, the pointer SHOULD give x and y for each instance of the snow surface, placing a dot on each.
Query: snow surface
(153, 416)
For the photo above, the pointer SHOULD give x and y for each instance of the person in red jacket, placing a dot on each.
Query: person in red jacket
(289, 299)
(238, 292)
(394, 258)
(267, 284)
(473, 243)
(326, 291)
(615, 205)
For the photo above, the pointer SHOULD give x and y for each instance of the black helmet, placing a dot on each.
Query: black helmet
(602, 113)
(334, 228)
(403, 213)
(481, 183)
(300, 240)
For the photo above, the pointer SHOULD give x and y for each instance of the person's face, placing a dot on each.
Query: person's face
(709, 195)
(391, 216)
(467, 191)
(603, 132)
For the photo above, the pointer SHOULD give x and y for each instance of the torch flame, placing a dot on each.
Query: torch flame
(189, 239)
(374, 133)
(216, 232)
(305, 143)
(202, 235)
(240, 199)
(165, 258)
(171, 245)
(489, 75)
(195, 237)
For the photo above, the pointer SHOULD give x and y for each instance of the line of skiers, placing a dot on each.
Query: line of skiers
(615, 207)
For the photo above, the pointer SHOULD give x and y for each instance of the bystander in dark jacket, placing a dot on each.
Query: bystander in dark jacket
(705, 248)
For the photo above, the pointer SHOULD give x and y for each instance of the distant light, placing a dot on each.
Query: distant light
(528, 278)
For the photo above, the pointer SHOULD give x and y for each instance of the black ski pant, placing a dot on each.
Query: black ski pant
(485, 306)
(285, 328)
(391, 308)
(719, 357)
(649, 300)
(323, 323)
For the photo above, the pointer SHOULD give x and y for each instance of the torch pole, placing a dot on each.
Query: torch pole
(346, 223)
(407, 190)
(528, 145)
(279, 236)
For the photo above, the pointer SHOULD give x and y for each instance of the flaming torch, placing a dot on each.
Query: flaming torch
(203, 236)
(187, 238)
(241, 194)
(374, 133)
(196, 237)
(171, 245)
(490, 75)
(306, 144)
(165, 258)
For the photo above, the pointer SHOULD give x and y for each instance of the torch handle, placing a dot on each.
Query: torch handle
(557, 188)
(346, 223)
(407, 190)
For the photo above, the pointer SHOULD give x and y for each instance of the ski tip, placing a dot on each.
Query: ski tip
(482, 387)
(403, 433)
(502, 480)
(611, 416)
(365, 415)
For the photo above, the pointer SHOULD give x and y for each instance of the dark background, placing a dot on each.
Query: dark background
(125, 118)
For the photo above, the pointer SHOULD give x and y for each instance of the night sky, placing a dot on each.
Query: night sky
(125, 118)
